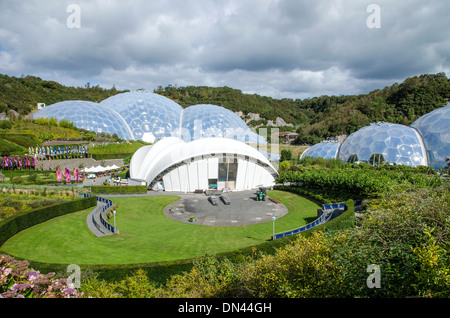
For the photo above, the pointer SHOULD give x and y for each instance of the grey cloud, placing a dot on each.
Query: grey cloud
(277, 48)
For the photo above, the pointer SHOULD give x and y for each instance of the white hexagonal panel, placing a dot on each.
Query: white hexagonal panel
(396, 143)
(324, 149)
(434, 128)
(137, 115)
(205, 120)
(87, 115)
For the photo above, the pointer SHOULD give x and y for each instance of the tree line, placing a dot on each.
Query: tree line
(319, 118)
(316, 118)
(21, 94)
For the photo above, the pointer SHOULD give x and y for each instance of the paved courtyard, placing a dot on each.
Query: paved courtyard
(243, 209)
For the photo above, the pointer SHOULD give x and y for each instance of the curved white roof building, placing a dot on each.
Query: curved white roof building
(202, 164)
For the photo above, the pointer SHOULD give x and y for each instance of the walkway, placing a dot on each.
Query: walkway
(94, 223)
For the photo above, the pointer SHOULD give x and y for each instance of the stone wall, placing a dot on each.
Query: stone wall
(76, 163)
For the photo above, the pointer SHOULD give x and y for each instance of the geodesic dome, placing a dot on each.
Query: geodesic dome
(87, 115)
(434, 128)
(386, 142)
(149, 117)
(206, 120)
(324, 149)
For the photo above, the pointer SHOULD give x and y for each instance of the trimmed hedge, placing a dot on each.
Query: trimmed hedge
(320, 195)
(19, 222)
(118, 189)
(105, 156)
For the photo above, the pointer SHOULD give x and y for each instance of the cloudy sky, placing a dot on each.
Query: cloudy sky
(292, 49)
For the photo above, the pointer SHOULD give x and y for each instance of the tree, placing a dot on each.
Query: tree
(286, 155)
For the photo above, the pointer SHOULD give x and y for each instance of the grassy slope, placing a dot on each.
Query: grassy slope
(146, 234)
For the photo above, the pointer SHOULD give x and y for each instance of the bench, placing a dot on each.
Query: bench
(225, 199)
(274, 200)
(213, 200)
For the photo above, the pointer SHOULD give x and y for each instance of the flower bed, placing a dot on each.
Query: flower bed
(19, 281)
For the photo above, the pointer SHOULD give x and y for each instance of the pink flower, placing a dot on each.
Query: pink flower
(6, 271)
(32, 275)
(20, 287)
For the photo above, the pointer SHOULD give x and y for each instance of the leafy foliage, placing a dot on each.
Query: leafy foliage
(327, 116)
(318, 117)
(23, 94)
(364, 181)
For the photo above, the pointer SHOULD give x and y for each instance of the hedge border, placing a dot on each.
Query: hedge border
(132, 189)
(19, 222)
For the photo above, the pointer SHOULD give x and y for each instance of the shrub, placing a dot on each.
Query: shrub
(304, 268)
(118, 189)
(137, 285)
(406, 234)
(24, 140)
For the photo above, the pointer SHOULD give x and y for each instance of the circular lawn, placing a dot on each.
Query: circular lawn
(147, 235)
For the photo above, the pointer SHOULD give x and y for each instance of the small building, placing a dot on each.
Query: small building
(287, 137)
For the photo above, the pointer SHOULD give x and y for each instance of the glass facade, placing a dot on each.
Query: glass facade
(434, 128)
(146, 113)
(205, 120)
(392, 143)
(227, 173)
(141, 116)
(87, 115)
(324, 149)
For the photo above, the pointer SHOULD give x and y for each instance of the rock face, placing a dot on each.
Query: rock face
(279, 122)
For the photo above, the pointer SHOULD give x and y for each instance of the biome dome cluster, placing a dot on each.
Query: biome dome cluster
(397, 144)
(149, 117)
(425, 143)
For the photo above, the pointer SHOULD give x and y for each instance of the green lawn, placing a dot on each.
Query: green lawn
(146, 235)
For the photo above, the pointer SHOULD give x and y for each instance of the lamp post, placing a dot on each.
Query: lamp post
(114, 213)
(273, 228)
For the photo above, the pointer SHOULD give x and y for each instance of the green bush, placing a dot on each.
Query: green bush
(106, 156)
(320, 195)
(118, 189)
(19, 222)
(24, 140)
(8, 148)
(361, 182)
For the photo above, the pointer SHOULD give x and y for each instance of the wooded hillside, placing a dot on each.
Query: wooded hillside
(316, 118)
(327, 116)
(23, 94)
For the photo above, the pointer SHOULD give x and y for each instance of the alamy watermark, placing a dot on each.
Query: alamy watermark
(73, 21)
(374, 279)
(74, 278)
(374, 19)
